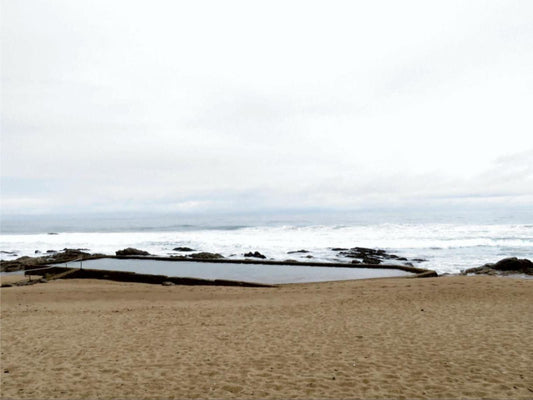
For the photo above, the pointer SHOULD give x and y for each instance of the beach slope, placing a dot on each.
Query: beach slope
(448, 337)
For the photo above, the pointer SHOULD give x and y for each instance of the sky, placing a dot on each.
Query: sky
(206, 106)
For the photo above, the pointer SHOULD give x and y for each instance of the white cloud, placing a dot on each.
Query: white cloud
(280, 104)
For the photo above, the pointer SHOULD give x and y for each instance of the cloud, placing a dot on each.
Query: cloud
(209, 106)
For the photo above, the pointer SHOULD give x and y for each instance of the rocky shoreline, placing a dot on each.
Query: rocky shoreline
(52, 257)
(506, 266)
(355, 255)
(358, 257)
(49, 266)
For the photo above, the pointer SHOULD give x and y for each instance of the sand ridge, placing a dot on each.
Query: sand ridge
(448, 337)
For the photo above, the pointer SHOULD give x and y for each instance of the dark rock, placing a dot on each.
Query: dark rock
(130, 251)
(362, 252)
(350, 255)
(51, 251)
(339, 249)
(372, 256)
(51, 258)
(255, 254)
(309, 256)
(20, 263)
(206, 256)
(419, 260)
(183, 249)
(483, 270)
(297, 251)
(505, 266)
(514, 264)
(67, 255)
(98, 255)
(53, 233)
(356, 262)
(371, 260)
(476, 270)
(72, 251)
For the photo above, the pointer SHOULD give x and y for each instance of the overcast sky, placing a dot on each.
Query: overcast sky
(224, 105)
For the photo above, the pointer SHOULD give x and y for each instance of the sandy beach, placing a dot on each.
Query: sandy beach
(447, 337)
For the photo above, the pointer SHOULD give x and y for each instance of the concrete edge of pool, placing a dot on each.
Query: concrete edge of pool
(406, 268)
(126, 276)
(56, 272)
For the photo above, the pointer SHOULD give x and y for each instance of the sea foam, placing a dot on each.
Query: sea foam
(447, 248)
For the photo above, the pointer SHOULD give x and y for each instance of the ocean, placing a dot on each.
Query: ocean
(449, 241)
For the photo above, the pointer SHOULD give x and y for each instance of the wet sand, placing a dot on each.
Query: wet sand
(448, 337)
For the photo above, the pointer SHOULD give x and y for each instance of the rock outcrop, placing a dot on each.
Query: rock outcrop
(204, 255)
(255, 254)
(26, 262)
(130, 251)
(370, 256)
(506, 266)
(182, 248)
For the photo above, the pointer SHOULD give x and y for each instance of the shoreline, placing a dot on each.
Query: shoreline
(448, 248)
(53, 264)
(52, 271)
(446, 337)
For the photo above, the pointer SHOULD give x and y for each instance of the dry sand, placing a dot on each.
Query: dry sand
(15, 278)
(449, 337)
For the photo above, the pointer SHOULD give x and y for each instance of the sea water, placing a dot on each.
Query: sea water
(449, 242)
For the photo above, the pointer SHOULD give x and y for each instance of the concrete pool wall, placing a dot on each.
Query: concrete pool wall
(258, 272)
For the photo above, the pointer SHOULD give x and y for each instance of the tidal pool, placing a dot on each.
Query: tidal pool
(259, 273)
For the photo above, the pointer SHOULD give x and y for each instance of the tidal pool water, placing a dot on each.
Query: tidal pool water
(260, 273)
